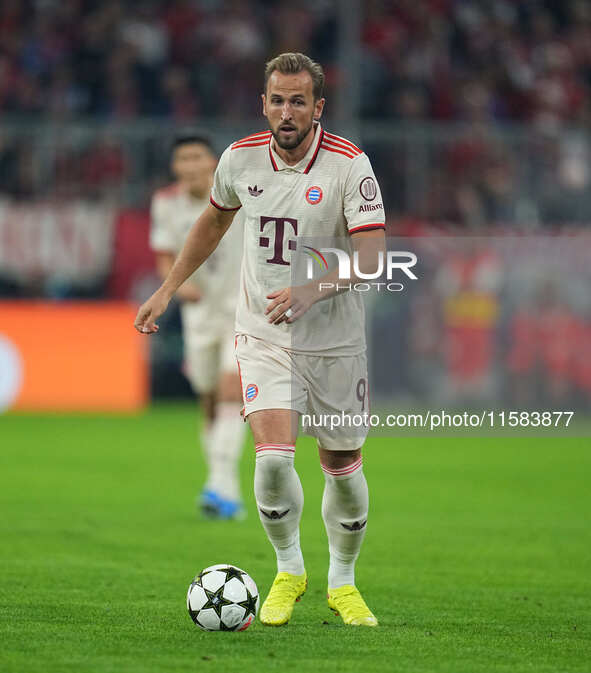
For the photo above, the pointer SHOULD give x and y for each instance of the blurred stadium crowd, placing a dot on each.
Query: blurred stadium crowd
(447, 79)
(502, 317)
(422, 59)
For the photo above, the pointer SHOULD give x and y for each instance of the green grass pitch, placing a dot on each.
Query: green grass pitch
(477, 555)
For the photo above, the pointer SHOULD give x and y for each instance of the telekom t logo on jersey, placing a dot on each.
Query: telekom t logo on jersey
(280, 235)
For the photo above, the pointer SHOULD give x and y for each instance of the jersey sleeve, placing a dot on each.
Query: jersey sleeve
(162, 237)
(363, 206)
(223, 195)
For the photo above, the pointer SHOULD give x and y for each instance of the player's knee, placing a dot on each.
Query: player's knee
(272, 463)
(346, 503)
(338, 460)
(272, 477)
(347, 484)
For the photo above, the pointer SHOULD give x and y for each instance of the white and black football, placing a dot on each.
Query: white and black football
(223, 598)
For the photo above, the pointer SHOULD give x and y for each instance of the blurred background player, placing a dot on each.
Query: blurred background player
(208, 304)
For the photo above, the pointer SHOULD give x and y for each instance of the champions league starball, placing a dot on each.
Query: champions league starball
(223, 598)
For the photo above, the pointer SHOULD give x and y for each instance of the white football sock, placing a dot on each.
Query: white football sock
(345, 504)
(224, 449)
(280, 500)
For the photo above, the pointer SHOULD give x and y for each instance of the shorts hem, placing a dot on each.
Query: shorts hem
(274, 405)
(341, 446)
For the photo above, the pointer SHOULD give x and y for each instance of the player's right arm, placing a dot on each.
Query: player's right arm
(188, 292)
(164, 242)
(201, 241)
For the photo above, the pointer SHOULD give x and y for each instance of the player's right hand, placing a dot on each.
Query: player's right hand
(149, 312)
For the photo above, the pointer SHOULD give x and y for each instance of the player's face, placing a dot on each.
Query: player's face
(193, 165)
(290, 107)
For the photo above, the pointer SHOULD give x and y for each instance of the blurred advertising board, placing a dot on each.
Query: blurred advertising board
(75, 356)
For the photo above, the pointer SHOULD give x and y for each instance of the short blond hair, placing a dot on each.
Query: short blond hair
(293, 63)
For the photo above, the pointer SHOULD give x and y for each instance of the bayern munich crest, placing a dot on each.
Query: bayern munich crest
(251, 392)
(314, 195)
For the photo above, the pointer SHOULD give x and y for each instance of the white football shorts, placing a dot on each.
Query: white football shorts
(330, 393)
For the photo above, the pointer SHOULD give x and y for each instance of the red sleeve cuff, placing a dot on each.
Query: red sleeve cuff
(217, 205)
(367, 227)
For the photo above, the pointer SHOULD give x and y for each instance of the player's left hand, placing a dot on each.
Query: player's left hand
(288, 304)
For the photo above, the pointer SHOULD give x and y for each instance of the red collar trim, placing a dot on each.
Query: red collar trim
(271, 155)
(313, 159)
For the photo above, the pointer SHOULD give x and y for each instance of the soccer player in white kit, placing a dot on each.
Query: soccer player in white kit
(299, 348)
(208, 306)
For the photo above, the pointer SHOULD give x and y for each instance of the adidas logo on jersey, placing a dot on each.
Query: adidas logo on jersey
(253, 191)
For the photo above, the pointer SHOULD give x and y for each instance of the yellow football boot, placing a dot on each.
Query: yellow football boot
(285, 591)
(347, 602)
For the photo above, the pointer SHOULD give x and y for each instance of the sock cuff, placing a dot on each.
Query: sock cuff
(346, 471)
(284, 450)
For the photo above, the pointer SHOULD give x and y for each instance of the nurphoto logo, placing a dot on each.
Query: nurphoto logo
(394, 261)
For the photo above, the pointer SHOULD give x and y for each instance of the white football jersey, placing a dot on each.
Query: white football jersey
(331, 193)
(173, 213)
